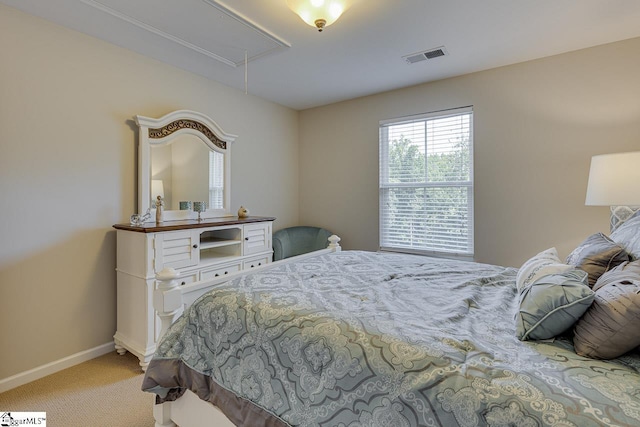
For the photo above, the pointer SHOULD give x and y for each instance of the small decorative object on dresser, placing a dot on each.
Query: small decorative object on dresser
(243, 212)
(185, 206)
(199, 207)
(137, 220)
(159, 208)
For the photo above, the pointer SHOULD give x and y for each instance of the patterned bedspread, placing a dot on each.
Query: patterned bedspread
(355, 339)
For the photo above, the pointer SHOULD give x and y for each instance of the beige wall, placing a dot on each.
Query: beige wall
(67, 173)
(67, 164)
(537, 124)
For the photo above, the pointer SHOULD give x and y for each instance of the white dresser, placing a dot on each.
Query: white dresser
(199, 250)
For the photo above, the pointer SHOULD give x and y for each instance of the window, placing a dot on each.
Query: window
(426, 183)
(216, 180)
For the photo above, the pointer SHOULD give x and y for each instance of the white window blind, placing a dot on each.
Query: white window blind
(426, 183)
(216, 180)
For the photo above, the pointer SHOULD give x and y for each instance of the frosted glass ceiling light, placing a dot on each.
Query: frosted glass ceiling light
(318, 13)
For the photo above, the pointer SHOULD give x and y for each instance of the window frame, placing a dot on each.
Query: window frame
(384, 185)
(216, 173)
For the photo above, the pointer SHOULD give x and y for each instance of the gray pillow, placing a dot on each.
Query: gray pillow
(625, 271)
(542, 264)
(609, 328)
(596, 255)
(627, 235)
(552, 304)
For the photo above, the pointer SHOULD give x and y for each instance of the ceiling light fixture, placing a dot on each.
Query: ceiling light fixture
(318, 13)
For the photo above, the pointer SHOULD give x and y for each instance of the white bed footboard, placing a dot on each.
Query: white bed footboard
(170, 298)
(189, 411)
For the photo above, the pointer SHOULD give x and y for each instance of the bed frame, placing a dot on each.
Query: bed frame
(169, 300)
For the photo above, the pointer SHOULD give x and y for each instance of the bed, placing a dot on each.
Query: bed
(354, 338)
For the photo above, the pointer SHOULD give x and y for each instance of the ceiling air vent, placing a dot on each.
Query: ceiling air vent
(427, 54)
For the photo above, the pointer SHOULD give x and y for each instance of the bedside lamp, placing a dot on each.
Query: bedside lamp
(614, 181)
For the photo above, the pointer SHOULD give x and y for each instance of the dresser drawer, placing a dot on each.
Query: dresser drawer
(256, 261)
(188, 278)
(220, 271)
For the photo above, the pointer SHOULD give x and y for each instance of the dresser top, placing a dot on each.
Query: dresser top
(153, 227)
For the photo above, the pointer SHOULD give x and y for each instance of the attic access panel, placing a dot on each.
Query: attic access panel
(205, 26)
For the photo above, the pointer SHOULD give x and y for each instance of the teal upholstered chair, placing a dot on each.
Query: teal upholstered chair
(294, 241)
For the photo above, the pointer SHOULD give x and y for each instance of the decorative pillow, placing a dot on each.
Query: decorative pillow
(627, 235)
(625, 271)
(596, 255)
(552, 304)
(546, 262)
(610, 327)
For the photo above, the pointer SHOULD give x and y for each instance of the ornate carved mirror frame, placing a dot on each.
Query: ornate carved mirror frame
(164, 131)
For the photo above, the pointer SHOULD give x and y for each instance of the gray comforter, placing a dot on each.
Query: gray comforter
(372, 339)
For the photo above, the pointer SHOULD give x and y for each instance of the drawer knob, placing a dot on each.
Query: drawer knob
(226, 272)
(246, 238)
(183, 283)
(251, 265)
(195, 246)
(216, 275)
(259, 263)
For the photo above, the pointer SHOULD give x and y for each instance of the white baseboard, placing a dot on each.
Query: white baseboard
(53, 367)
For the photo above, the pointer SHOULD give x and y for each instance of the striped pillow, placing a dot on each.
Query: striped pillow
(544, 263)
(627, 235)
(609, 328)
(596, 255)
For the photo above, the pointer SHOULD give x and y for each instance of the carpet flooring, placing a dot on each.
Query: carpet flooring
(101, 392)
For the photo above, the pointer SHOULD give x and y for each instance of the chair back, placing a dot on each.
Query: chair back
(298, 240)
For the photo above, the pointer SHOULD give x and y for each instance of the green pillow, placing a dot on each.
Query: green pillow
(552, 304)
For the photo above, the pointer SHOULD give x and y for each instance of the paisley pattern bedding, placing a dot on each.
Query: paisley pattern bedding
(355, 339)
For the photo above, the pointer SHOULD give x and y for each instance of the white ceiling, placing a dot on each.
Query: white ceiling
(294, 65)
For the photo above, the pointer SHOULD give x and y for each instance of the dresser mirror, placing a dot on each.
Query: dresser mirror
(184, 157)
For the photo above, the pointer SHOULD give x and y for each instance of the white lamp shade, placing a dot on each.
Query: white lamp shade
(312, 10)
(157, 189)
(614, 180)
